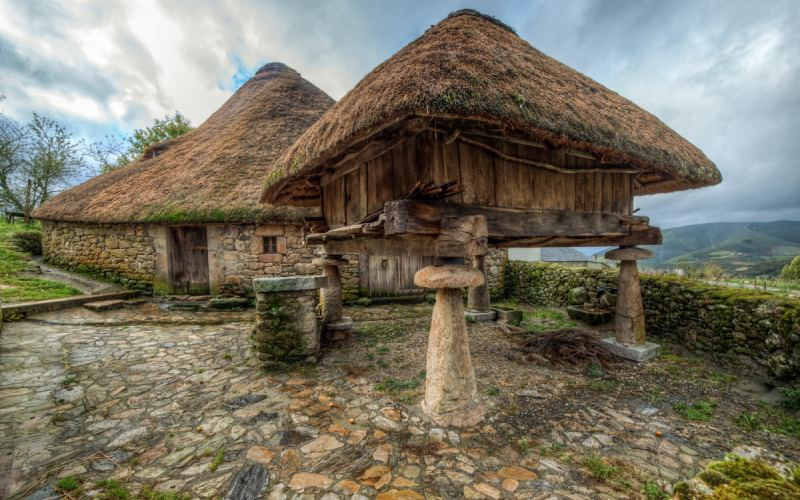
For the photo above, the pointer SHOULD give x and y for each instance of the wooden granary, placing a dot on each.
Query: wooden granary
(470, 138)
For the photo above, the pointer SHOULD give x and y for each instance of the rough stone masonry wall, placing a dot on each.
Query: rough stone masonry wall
(734, 326)
(121, 252)
(242, 259)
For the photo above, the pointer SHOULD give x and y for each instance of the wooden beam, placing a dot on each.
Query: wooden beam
(410, 244)
(649, 236)
(421, 217)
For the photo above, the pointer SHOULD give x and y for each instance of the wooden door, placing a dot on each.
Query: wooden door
(388, 276)
(188, 260)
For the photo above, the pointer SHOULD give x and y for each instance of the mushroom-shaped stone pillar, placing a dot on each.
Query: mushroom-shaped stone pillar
(451, 396)
(629, 339)
(331, 296)
(478, 296)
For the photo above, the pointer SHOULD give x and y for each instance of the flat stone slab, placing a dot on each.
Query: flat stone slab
(638, 353)
(104, 305)
(448, 276)
(342, 325)
(289, 284)
(508, 315)
(480, 317)
(590, 317)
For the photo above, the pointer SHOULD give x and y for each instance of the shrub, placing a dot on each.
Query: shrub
(28, 241)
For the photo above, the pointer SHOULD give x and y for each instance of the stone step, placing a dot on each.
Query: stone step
(104, 305)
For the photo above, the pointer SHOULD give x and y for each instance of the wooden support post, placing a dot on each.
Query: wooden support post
(451, 395)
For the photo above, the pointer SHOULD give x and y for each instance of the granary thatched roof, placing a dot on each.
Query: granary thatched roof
(471, 66)
(211, 174)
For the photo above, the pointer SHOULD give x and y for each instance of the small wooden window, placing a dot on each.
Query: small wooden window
(270, 244)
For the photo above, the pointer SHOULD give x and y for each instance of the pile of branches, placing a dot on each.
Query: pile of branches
(568, 346)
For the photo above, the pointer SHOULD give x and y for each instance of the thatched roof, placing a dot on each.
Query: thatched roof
(473, 67)
(211, 174)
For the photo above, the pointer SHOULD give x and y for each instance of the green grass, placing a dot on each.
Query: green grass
(599, 467)
(493, 391)
(149, 494)
(544, 320)
(217, 461)
(67, 483)
(112, 490)
(402, 390)
(654, 492)
(701, 410)
(749, 421)
(16, 287)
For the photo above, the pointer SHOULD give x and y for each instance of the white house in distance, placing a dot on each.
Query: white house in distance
(566, 256)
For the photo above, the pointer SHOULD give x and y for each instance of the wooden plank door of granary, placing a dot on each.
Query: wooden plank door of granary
(188, 260)
(387, 276)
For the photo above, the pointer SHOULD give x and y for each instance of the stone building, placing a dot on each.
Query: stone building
(186, 219)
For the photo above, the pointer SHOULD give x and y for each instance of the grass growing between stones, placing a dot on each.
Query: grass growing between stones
(405, 391)
(599, 467)
(700, 410)
(17, 286)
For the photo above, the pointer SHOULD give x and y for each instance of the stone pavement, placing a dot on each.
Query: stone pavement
(170, 400)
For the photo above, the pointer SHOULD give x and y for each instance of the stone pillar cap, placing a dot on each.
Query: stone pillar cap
(629, 253)
(289, 283)
(448, 276)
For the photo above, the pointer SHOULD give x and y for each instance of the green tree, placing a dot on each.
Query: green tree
(35, 161)
(791, 271)
(114, 152)
(712, 270)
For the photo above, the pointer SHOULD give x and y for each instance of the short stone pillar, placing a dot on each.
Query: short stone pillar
(629, 329)
(334, 323)
(478, 296)
(451, 396)
(287, 327)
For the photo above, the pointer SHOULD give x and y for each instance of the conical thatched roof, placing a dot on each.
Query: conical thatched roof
(473, 67)
(211, 174)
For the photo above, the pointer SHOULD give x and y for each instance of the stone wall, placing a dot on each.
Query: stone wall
(734, 326)
(135, 254)
(120, 252)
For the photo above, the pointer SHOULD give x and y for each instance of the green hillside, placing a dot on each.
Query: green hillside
(741, 248)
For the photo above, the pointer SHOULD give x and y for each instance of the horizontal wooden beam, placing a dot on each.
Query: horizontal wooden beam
(423, 217)
(648, 236)
(410, 244)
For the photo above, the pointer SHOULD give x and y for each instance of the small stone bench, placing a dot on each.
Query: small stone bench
(287, 322)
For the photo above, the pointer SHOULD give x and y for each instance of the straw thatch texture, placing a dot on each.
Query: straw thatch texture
(211, 174)
(470, 66)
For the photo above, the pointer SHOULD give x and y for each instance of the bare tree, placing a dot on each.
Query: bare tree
(110, 153)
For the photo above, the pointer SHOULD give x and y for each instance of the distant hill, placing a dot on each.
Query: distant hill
(741, 248)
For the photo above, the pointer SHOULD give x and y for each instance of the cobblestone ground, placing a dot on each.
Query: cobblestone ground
(170, 401)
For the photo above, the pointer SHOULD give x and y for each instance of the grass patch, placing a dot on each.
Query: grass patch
(402, 390)
(790, 398)
(67, 483)
(599, 467)
(16, 287)
(654, 492)
(700, 411)
(544, 320)
(493, 391)
(371, 334)
(749, 421)
(216, 461)
(112, 490)
(554, 449)
(149, 494)
(604, 385)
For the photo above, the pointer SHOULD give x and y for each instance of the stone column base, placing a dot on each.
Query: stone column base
(339, 330)
(635, 352)
(468, 416)
(480, 316)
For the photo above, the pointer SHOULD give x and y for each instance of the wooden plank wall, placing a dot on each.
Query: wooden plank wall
(486, 179)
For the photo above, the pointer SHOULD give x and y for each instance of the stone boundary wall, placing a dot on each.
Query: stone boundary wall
(732, 325)
(124, 253)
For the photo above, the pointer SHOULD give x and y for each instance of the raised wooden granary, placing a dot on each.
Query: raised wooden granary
(469, 138)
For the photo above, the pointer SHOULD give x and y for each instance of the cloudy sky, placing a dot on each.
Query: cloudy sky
(724, 74)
